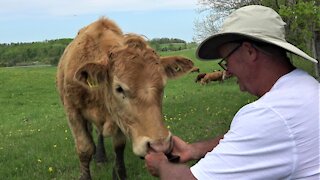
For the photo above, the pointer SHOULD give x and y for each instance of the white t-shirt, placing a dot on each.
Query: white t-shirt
(275, 137)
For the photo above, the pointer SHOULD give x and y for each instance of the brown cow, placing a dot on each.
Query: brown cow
(214, 76)
(199, 77)
(115, 82)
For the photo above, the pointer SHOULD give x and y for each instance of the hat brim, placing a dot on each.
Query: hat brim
(208, 49)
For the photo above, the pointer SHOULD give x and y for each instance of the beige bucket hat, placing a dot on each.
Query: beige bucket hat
(258, 23)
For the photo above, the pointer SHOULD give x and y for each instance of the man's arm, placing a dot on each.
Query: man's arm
(158, 164)
(200, 149)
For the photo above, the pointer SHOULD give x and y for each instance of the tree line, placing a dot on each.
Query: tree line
(168, 44)
(34, 53)
(50, 51)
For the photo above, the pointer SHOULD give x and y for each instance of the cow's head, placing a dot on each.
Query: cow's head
(134, 77)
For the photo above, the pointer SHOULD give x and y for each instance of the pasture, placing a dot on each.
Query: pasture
(36, 142)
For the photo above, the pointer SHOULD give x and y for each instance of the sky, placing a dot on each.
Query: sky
(40, 20)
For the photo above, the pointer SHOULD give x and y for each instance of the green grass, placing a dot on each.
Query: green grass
(36, 142)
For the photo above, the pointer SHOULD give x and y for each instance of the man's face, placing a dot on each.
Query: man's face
(237, 64)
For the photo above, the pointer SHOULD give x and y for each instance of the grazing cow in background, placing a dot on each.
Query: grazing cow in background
(200, 76)
(214, 76)
(115, 81)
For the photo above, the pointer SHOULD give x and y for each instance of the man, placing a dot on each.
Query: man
(275, 137)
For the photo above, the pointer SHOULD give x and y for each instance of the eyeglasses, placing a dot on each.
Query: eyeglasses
(223, 63)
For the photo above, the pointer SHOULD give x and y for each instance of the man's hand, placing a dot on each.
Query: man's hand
(158, 165)
(181, 149)
(153, 161)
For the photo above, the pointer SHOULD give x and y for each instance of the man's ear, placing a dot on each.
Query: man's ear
(176, 66)
(251, 52)
(92, 74)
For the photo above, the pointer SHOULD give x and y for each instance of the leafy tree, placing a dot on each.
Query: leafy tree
(214, 12)
(303, 26)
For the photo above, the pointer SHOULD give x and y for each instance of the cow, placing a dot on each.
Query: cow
(199, 77)
(214, 76)
(115, 82)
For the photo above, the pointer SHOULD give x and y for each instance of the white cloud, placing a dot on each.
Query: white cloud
(79, 7)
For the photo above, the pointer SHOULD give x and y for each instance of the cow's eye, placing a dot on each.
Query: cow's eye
(119, 89)
(120, 92)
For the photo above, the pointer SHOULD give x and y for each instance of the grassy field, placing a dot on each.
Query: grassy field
(36, 142)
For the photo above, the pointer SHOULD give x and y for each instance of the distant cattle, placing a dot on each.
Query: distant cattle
(214, 76)
(116, 82)
(200, 76)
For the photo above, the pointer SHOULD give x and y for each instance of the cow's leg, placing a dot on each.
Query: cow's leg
(100, 155)
(84, 143)
(119, 143)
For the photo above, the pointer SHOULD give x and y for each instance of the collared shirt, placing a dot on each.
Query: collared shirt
(275, 137)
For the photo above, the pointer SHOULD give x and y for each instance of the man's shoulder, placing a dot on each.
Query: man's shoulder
(257, 115)
(296, 80)
(293, 89)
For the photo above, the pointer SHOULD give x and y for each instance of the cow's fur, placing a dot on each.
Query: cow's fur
(115, 81)
(195, 69)
(214, 76)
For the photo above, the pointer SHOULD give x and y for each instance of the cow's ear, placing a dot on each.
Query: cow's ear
(92, 74)
(176, 66)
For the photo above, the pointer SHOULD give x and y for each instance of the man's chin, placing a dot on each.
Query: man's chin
(241, 87)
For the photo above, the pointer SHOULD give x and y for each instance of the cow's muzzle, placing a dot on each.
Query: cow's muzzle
(171, 157)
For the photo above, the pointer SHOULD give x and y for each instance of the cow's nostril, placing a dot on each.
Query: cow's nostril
(173, 158)
(149, 148)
